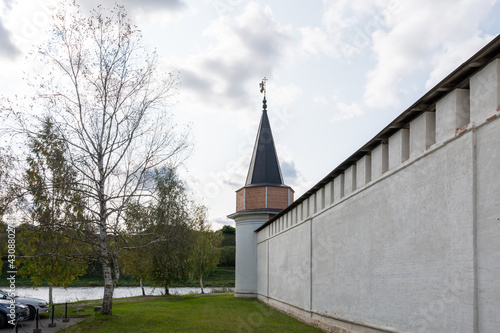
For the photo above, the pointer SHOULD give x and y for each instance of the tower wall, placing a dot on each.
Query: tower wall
(267, 196)
(263, 196)
(246, 252)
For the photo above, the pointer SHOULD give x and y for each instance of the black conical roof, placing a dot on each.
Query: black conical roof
(264, 166)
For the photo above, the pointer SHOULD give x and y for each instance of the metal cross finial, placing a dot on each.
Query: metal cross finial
(263, 86)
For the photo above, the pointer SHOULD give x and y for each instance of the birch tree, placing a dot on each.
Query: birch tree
(206, 246)
(170, 218)
(109, 101)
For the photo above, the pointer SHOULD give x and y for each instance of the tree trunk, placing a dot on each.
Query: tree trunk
(166, 289)
(107, 300)
(107, 273)
(201, 283)
(50, 293)
(142, 287)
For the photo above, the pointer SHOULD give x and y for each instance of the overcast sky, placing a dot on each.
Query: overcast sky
(339, 72)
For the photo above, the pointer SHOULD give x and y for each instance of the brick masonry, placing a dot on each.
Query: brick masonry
(254, 197)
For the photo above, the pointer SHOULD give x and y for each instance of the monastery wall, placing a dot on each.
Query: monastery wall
(406, 238)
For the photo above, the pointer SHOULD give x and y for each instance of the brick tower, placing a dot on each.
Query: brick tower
(262, 197)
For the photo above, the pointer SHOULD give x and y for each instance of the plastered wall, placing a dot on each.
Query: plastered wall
(408, 238)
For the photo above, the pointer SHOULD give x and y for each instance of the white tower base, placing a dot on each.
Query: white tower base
(246, 250)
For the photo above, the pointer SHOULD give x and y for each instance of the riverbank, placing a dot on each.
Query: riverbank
(75, 294)
(221, 277)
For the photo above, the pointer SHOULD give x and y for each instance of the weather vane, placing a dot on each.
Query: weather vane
(263, 86)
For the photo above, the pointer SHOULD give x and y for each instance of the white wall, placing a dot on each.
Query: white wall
(412, 246)
(401, 245)
(488, 227)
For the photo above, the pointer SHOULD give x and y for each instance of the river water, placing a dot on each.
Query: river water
(73, 294)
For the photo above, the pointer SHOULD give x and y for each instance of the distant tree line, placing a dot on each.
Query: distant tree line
(228, 247)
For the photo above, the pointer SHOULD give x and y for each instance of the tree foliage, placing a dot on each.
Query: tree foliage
(205, 249)
(172, 240)
(171, 224)
(50, 245)
(227, 256)
(136, 256)
(8, 188)
(229, 234)
(51, 258)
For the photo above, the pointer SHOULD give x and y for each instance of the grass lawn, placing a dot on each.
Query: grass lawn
(190, 313)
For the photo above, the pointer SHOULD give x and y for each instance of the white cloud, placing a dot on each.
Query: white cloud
(342, 14)
(246, 48)
(317, 42)
(7, 48)
(220, 221)
(452, 55)
(419, 32)
(283, 95)
(346, 29)
(149, 5)
(27, 23)
(320, 100)
(291, 175)
(345, 111)
(403, 37)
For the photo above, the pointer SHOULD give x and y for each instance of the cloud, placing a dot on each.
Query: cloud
(346, 28)
(8, 4)
(291, 174)
(7, 48)
(289, 171)
(151, 4)
(404, 38)
(315, 41)
(236, 172)
(345, 111)
(155, 12)
(170, 5)
(219, 222)
(194, 81)
(320, 100)
(452, 55)
(420, 32)
(245, 49)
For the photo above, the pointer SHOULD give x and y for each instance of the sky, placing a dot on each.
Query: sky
(338, 72)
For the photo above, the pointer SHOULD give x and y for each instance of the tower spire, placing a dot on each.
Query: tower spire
(263, 196)
(263, 90)
(264, 165)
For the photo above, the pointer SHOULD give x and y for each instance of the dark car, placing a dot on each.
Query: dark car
(33, 303)
(10, 311)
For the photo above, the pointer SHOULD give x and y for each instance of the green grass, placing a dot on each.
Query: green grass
(191, 313)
